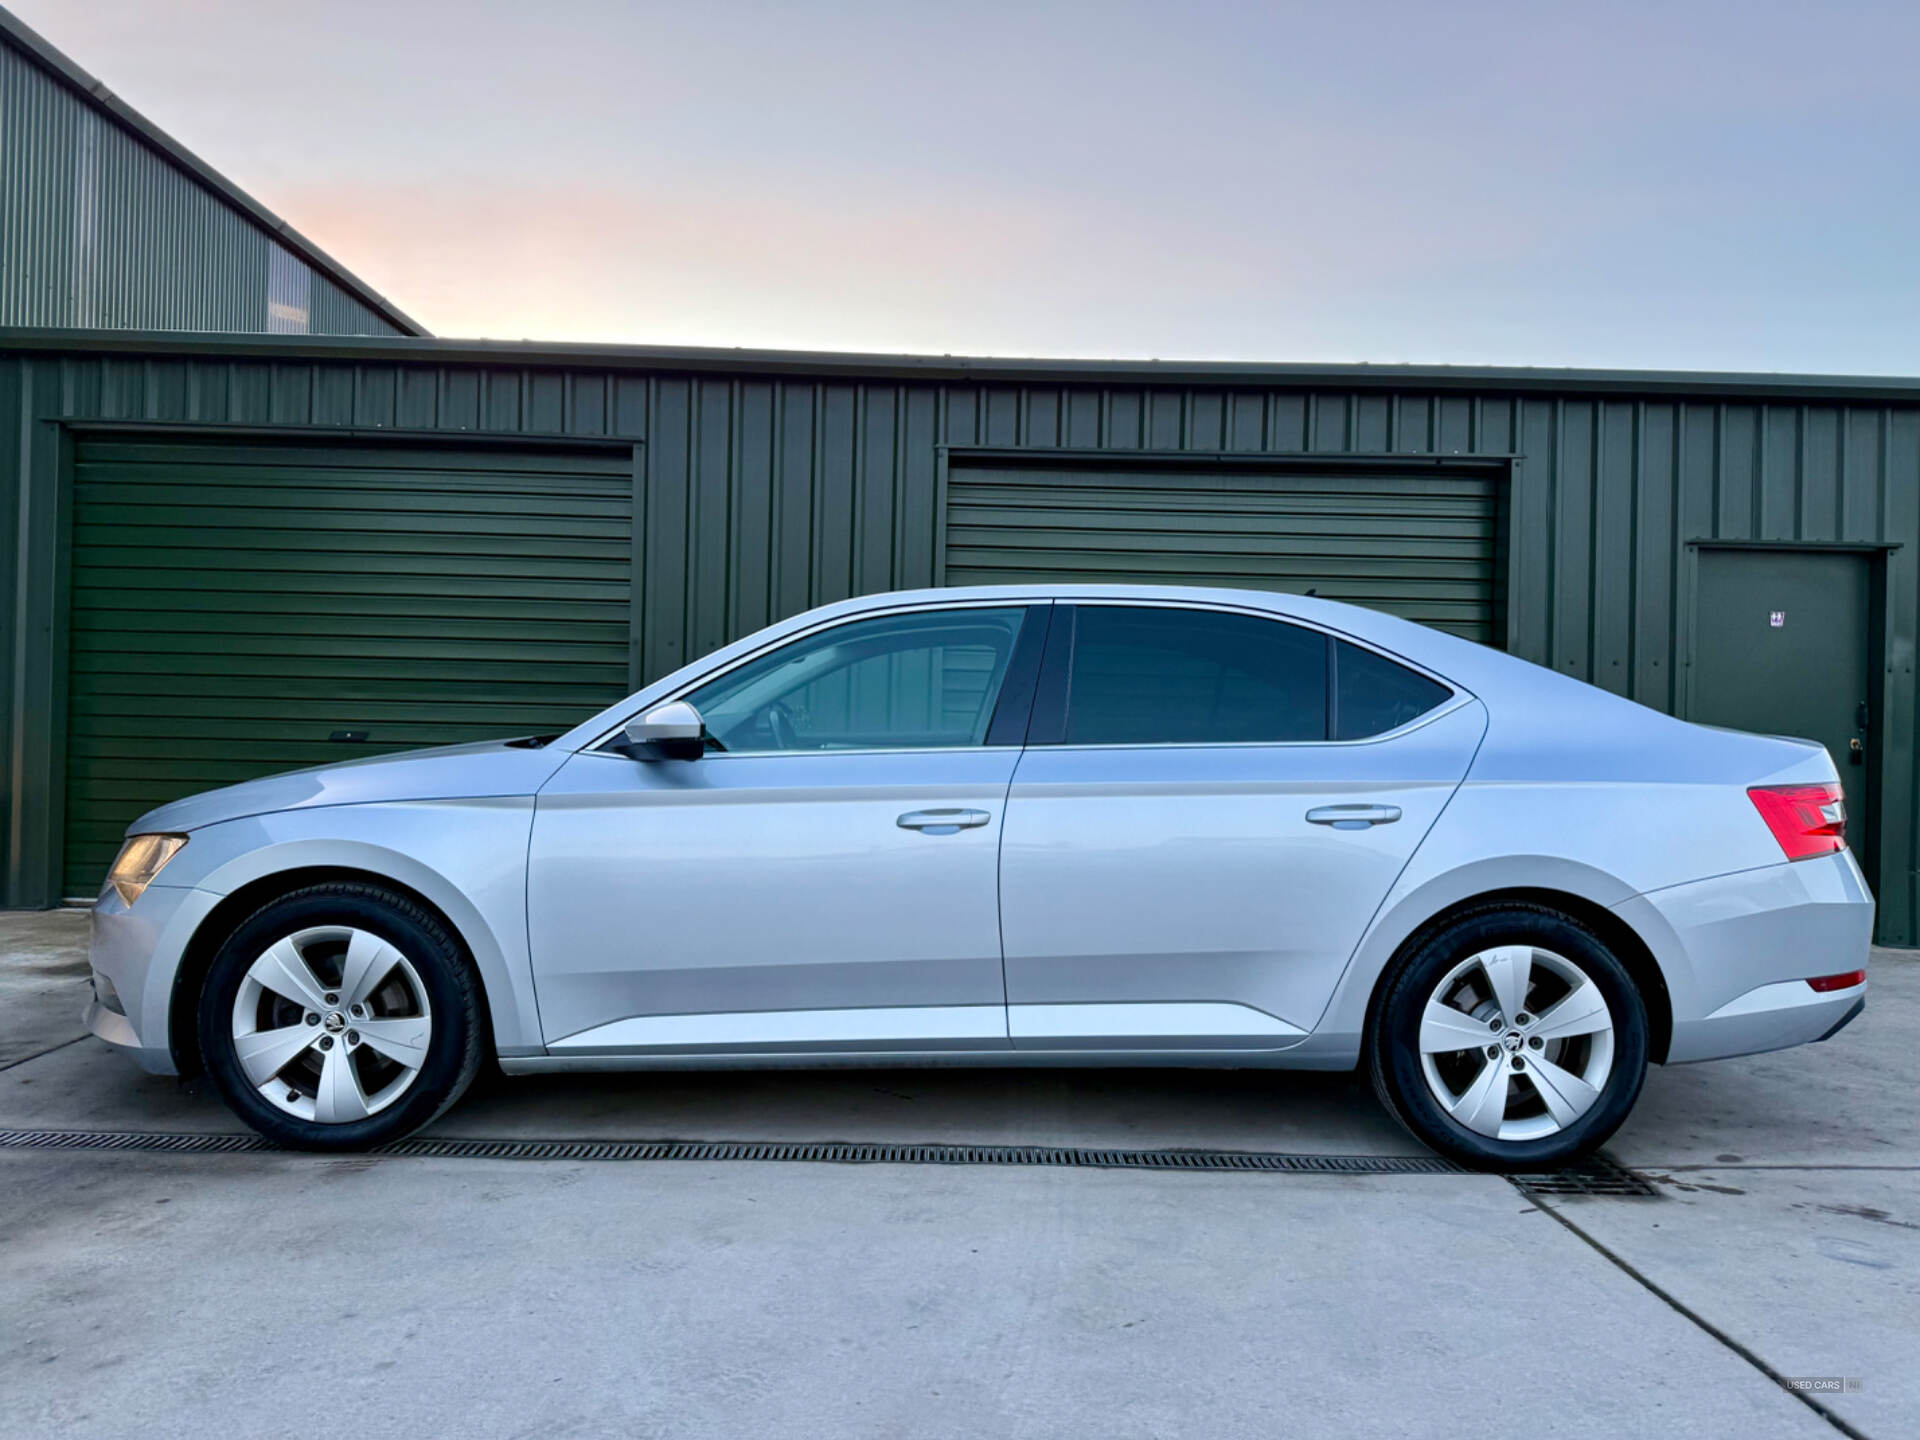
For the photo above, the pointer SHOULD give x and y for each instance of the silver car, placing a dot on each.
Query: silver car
(1047, 825)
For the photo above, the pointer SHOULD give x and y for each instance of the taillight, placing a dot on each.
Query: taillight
(1846, 980)
(1807, 820)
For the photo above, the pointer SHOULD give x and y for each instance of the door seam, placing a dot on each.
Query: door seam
(999, 904)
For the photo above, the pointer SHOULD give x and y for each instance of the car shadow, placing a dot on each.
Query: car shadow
(1298, 1111)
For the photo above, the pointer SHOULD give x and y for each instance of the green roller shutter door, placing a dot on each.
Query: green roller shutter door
(1419, 544)
(233, 606)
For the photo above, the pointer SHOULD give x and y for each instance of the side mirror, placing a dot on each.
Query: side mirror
(673, 731)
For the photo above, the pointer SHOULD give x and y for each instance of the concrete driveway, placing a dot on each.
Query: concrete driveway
(263, 1293)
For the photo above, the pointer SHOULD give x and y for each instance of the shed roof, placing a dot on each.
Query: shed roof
(853, 365)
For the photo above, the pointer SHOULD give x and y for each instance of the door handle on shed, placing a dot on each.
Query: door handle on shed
(942, 822)
(1354, 817)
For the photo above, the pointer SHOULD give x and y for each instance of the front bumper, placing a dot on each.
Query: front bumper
(136, 951)
(1737, 950)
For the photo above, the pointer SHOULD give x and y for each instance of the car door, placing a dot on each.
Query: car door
(823, 879)
(1212, 805)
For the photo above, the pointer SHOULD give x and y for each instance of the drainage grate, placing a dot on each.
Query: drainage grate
(127, 1140)
(1595, 1175)
(831, 1152)
(843, 1153)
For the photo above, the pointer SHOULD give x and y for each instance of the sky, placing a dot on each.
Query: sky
(1679, 185)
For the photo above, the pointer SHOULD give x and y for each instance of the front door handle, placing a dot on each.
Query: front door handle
(942, 822)
(1354, 817)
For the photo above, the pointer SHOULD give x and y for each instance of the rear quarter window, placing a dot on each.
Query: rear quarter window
(1154, 675)
(1373, 694)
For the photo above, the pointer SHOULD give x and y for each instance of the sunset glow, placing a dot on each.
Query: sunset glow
(1476, 183)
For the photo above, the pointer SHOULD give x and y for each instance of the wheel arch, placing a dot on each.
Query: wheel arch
(1621, 938)
(183, 1009)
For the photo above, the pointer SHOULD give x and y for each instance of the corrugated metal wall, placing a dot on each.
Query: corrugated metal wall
(336, 312)
(97, 229)
(765, 495)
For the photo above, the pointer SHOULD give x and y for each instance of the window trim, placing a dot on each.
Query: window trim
(1333, 691)
(598, 746)
(1048, 722)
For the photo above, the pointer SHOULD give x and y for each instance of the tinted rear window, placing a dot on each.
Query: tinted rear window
(1374, 695)
(1145, 676)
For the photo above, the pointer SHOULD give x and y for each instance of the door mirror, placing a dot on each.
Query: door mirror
(673, 731)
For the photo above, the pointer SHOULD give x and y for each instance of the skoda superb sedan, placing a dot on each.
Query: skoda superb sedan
(1050, 825)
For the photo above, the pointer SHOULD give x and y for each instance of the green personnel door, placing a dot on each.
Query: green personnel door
(241, 609)
(1783, 645)
(1422, 544)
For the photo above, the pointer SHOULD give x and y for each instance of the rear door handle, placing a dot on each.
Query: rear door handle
(942, 822)
(1354, 817)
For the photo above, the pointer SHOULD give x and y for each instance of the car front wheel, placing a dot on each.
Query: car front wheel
(1513, 1039)
(340, 1016)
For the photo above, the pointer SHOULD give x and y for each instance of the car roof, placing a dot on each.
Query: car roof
(1462, 661)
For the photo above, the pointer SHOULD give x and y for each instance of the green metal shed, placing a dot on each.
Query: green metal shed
(225, 550)
(106, 220)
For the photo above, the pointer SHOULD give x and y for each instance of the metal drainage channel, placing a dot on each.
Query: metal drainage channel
(1591, 1177)
(1595, 1175)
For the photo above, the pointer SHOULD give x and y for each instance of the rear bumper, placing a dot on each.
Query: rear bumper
(1770, 1017)
(1737, 950)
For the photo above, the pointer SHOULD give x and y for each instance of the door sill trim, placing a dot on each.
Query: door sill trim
(1297, 1055)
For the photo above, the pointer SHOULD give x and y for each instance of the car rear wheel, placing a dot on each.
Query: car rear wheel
(340, 1016)
(1513, 1039)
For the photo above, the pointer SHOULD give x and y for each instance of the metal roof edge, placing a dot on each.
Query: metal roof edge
(854, 365)
(15, 32)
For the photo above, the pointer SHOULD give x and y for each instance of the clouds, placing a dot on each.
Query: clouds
(1688, 184)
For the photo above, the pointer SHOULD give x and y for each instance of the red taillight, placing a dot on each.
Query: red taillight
(1807, 820)
(1844, 981)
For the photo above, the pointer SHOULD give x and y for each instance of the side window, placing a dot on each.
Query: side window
(1155, 675)
(1373, 695)
(916, 681)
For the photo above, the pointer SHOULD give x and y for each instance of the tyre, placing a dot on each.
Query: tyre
(1513, 1039)
(339, 1017)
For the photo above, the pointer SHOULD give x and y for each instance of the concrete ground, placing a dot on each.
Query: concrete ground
(274, 1294)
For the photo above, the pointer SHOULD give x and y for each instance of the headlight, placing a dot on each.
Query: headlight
(139, 861)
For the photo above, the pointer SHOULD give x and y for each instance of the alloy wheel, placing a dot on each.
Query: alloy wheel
(331, 1024)
(1516, 1042)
